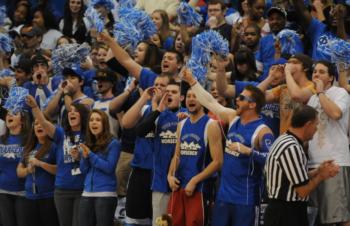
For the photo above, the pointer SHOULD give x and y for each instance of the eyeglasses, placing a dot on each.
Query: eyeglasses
(241, 97)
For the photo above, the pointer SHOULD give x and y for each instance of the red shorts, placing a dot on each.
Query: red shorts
(186, 210)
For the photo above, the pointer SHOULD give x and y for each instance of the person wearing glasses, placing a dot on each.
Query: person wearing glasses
(247, 144)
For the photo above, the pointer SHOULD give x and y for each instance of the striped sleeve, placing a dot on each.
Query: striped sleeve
(291, 162)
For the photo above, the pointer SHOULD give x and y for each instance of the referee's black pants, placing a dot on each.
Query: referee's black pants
(282, 213)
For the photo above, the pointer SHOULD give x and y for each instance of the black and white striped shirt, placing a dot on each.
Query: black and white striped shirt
(286, 168)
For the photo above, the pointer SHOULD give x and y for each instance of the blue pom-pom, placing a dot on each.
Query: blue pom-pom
(3, 15)
(68, 55)
(340, 52)
(109, 4)
(16, 99)
(95, 19)
(133, 27)
(5, 43)
(188, 16)
(127, 35)
(6, 72)
(204, 45)
(287, 39)
(127, 3)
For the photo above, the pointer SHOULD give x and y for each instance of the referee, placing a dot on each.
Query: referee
(288, 181)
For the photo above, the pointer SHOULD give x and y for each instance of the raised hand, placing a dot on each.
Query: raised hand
(163, 103)
(148, 93)
(30, 101)
(105, 37)
(187, 76)
(319, 86)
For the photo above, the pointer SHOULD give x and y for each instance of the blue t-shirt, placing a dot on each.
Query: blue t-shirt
(10, 155)
(320, 38)
(147, 78)
(40, 179)
(266, 52)
(168, 43)
(40, 93)
(66, 178)
(193, 150)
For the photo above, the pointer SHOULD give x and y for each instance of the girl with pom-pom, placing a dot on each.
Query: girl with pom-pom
(38, 167)
(12, 195)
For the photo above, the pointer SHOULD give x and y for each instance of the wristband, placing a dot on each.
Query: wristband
(318, 94)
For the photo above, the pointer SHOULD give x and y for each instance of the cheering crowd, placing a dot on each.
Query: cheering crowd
(162, 112)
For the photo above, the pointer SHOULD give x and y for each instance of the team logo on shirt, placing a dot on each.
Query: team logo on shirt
(189, 148)
(67, 146)
(11, 151)
(168, 137)
(324, 44)
(229, 151)
(150, 135)
(271, 110)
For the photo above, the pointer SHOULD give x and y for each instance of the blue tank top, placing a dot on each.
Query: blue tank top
(164, 148)
(193, 150)
(240, 176)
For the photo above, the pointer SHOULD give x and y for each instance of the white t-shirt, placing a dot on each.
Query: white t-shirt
(2, 127)
(50, 39)
(233, 18)
(331, 140)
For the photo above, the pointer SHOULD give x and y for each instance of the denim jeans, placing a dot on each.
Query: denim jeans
(97, 211)
(67, 205)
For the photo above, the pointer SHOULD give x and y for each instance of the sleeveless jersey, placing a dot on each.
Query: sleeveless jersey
(193, 150)
(164, 148)
(241, 177)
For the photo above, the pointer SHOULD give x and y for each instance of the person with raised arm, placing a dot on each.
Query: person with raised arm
(247, 144)
(171, 63)
(38, 166)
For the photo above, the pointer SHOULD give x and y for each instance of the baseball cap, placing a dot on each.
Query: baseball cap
(38, 58)
(73, 71)
(276, 9)
(106, 75)
(279, 61)
(305, 60)
(31, 31)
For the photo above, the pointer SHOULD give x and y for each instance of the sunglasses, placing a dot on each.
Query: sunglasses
(245, 98)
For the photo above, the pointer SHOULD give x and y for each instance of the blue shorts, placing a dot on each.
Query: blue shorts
(228, 214)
